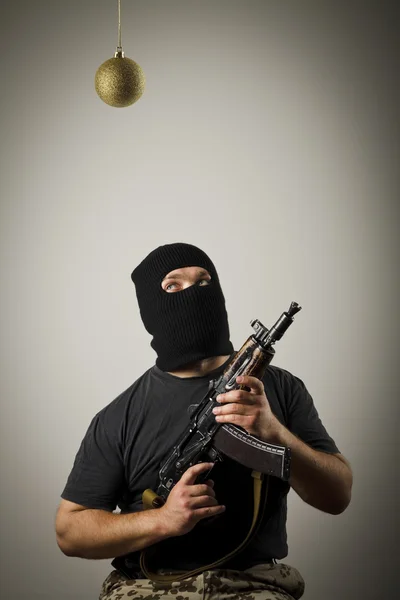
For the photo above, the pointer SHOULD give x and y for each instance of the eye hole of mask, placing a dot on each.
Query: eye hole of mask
(175, 287)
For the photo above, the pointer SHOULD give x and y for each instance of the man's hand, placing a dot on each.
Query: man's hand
(250, 410)
(188, 503)
(321, 479)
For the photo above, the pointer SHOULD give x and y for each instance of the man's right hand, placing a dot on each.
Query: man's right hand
(97, 534)
(188, 502)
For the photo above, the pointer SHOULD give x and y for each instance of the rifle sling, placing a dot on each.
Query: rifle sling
(179, 575)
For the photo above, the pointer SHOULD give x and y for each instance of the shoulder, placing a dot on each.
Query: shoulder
(282, 379)
(114, 416)
(297, 404)
(284, 390)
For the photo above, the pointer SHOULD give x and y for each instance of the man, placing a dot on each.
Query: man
(182, 306)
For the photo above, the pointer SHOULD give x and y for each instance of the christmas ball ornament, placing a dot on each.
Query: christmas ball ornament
(119, 81)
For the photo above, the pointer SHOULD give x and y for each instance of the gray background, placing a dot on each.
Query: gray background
(267, 135)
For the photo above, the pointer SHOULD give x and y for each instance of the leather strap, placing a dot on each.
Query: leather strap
(258, 479)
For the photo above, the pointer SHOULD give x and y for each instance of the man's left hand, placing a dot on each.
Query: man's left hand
(248, 409)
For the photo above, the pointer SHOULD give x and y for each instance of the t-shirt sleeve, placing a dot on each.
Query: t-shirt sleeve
(97, 475)
(303, 418)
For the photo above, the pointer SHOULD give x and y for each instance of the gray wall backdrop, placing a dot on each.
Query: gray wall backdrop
(267, 137)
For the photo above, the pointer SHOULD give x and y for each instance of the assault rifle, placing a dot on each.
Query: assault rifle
(205, 440)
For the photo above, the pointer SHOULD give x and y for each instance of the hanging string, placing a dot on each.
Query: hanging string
(119, 47)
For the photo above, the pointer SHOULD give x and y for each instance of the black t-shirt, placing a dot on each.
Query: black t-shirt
(127, 441)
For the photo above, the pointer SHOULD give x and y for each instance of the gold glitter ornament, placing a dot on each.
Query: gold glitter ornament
(119, 81)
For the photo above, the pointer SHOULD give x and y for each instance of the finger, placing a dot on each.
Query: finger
(189, 477)
(210, 511)
(201, 489)
(210, 482)
(203, 502)
(256, 385)
(236, 396)
(235, 408)
(244, 421)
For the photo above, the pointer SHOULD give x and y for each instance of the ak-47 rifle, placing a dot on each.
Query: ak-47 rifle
(205, 440)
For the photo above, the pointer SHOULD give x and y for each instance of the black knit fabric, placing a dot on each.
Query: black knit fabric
(188, 325)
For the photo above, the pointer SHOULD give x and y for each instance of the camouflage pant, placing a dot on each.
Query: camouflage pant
(261, 582)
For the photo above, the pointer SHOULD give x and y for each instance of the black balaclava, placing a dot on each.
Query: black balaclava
(188, 325)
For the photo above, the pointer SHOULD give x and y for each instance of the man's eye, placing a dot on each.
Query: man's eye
(204, 281)
(169, 286)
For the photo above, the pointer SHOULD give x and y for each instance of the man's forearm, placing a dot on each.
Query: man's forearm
(322, 480)
(97, 534)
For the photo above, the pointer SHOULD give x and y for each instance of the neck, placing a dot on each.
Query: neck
(200, 367)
